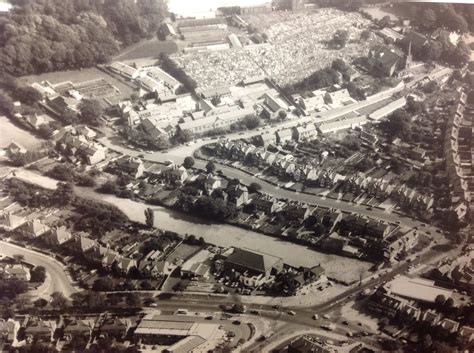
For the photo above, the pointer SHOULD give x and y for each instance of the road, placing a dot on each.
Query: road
(179, 153)
(58, 279)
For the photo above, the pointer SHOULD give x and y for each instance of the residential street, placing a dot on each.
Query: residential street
(58, 279)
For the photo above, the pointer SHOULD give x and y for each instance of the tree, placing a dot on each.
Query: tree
(103, 284)
(339, 65)
(340, 38)
(132, 300)
(439, 300)
(27, 95)
(18, 258)
(62, 172)
(188, 162)
(45, 131)
(149, 217)
(282, 114)
(38, 274)
(86, 180)
(428, 18)
(40, 303)
(146, 285)
(91, 111)
(210, 167)
(252, 122)
(64, 194)
(254, 187)
(109, 187)
(58, 300)
(426, 342)
(365, 35)
(185, 135)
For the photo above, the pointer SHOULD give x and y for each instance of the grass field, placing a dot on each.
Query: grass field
(147, 49)
(10, 133)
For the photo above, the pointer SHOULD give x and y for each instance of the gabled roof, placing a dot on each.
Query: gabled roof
(252, 260)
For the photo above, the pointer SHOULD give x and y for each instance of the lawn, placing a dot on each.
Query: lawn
(11, 132)
(151, 48)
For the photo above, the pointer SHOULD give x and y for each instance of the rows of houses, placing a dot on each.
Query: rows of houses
(64, 330)
(281, 164)
(382, 189)
(404, 298)
(457, 272)
(457, 146)
(121, 261)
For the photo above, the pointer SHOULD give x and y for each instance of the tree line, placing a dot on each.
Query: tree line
(46, 35)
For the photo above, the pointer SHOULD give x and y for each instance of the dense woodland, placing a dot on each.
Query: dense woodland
(47, 35)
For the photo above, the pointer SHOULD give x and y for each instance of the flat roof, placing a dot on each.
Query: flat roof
(417, 289)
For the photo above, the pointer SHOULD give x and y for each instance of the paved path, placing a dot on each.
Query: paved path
(58, 281)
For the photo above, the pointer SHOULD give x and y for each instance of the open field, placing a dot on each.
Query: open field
(150, 48)
(10, 133)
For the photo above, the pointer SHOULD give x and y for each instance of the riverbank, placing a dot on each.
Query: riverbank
(337, 267)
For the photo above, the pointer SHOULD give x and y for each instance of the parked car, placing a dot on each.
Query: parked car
(292, 313)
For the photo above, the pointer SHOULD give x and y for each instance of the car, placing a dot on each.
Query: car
(276, 306)
(345, 322)
(315, 317)
(231, 334)
(326, 316)
(359, 323)
(349, 334)
(291, 313)
(255, 312)
(236, 322)
(210, 317)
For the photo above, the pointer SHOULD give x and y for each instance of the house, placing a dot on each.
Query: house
(338, 98)
(272, 106)
(130, 166)
(58, 236)
(369, 138)
(448, 325)
(214, 182)
(11, 222)
(284, 136)
(305, 276)
(399, 244)
(255, 267)
(237, 195)
(385, 304)
(416, 289)
(385, 62)
(417, 153)
(86, 131)
(154, 269)
(175, 174)
(125, 265)
(314, 103)
(307, 132)
(430, 317)
(77, 328)
(36, 120)
(39, 331)
(265, 139)
(267, 206)
(114, 328)
(215, 92)
(295, 212)
(34, 229)
(14, 148)
(163, 77)
(18, 272)
(467, 333)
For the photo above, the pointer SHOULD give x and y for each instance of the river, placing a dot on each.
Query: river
(225, 235)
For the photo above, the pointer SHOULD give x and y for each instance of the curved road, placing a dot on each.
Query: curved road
(58, 280)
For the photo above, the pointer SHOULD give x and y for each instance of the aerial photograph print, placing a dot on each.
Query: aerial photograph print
(250, 176)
